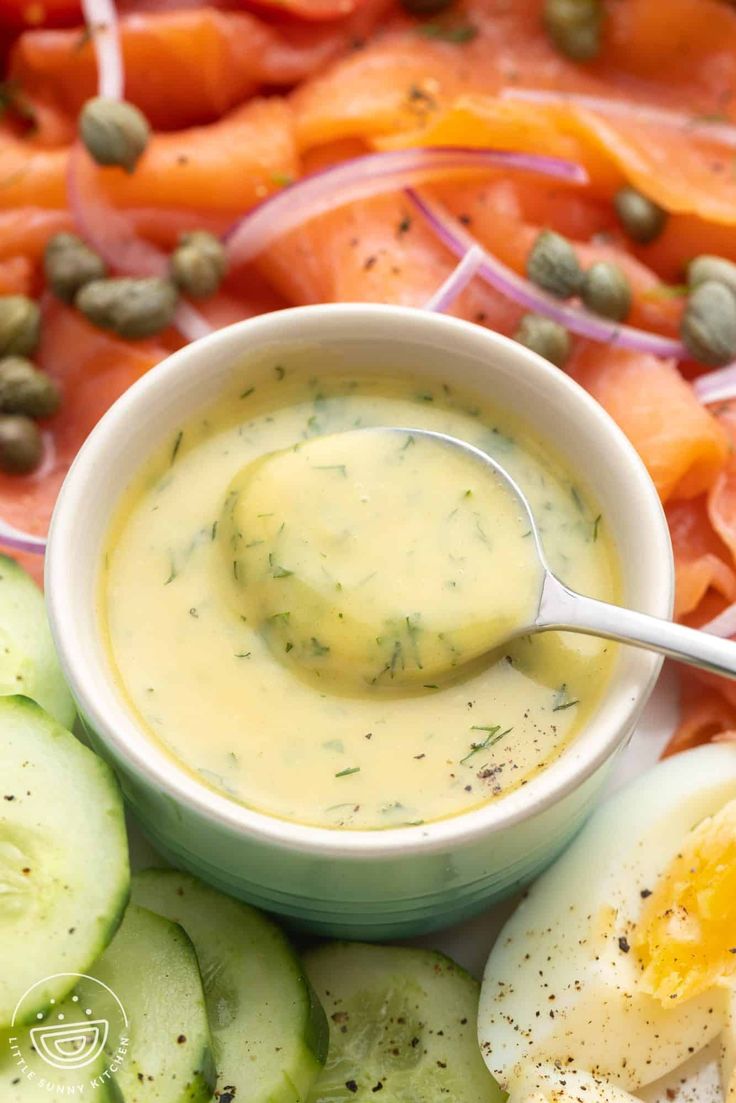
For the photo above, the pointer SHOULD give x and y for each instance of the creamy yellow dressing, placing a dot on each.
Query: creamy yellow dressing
(270, 621)
(377, 558)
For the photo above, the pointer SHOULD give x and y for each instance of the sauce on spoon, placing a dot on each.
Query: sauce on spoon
(378, 557)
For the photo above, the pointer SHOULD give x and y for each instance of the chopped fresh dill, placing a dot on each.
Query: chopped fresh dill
(243, 654)
(575, 495)
(430, 685)
(332, 467)
(277, 570)
(347, 771)
(410, 439)
(236, 570)
(173, 572)
(280, 372)
(319, 648)
(413, 630)
(562, 700)
(482, 535)
(280, 616)
(289, 647)
(177, 445)
(494, 735)
(213, 530)
(596, 526)
(194, 612)
(247, 393)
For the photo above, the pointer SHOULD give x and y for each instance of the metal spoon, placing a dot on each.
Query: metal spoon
(563, 609)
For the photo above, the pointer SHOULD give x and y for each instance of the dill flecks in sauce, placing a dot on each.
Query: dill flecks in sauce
(399, 558)
(244, 689)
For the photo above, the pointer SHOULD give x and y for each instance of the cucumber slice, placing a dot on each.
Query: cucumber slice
(28, 662)
(152, 968)
(269, 1031)
(403, 1026)
(64, 875)
(34, 1079)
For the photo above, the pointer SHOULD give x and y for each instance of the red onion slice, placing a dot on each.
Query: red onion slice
(716, 386)
(103, 227)
(369, 175)
(102, 22)
(457, 281)
(11, 537)
(715, 131)
(521, 291)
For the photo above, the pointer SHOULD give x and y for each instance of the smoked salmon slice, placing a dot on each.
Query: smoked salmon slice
(705, 715)
(92, 369)
(375, 251)
(703, 562)
(681, 443)
(239, 159)
(181, 67)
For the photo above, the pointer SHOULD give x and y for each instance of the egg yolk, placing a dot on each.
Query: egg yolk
(686, 935)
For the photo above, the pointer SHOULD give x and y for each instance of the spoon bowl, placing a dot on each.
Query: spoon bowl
(562, 609)
(379, 557)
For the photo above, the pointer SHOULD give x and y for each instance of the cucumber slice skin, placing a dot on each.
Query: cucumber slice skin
(64, 864)
(269, 1030)
(152, 967)
(403, 1025)
(28, 662)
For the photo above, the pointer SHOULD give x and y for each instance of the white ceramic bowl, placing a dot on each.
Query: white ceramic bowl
(367, 884)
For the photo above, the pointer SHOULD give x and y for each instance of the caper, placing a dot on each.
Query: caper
(69, 263)
(20, 325)
(198, 264)
(553, 265)
(26, 390)
(708, 327)
(642, 218)
(21, 446)
(575, 27)
(114, 132)
(131, 308)
(425, 7)
(545, 337)
(605, 290)
(705, 268)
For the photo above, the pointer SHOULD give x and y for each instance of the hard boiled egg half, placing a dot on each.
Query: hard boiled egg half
(620, 963)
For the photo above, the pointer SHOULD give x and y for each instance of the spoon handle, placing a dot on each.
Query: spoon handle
(566, 610)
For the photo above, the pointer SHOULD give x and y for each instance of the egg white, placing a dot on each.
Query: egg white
(560, 1000)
